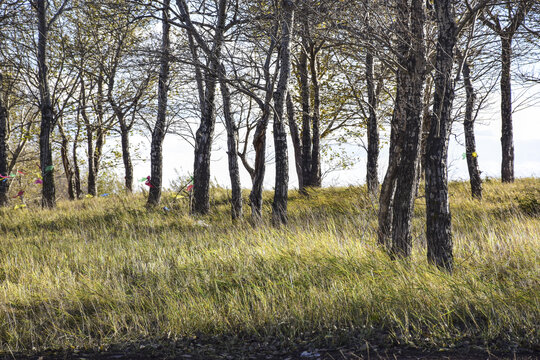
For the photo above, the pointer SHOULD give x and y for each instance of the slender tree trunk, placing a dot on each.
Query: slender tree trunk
(126, 157)
(232, 148)
(91, 185)
(470, 142)
(315, 176)
(388, 188)
(91, 178)
(64, 153)
(295, 137)
(306, 118)
(156, 152)
(205, 133)
(259, 139)
(4, 185)
(47, 116)
(438, 218)
(98, 150)
(507, 136)
(406, 173)
(76, 170)
(372, 179)
(279, 206)
(426, 121)
(259, 143)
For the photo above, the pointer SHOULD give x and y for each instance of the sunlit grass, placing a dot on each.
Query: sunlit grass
(106, 270)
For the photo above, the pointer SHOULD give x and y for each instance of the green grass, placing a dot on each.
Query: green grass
(107, 271)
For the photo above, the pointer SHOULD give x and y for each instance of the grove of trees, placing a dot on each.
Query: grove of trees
(78, 75)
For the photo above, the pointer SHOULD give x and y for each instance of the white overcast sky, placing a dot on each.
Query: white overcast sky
(178, 155)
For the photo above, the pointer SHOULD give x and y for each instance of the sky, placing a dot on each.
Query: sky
(178, 155)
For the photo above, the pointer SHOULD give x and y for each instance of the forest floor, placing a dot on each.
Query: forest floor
(106, 278)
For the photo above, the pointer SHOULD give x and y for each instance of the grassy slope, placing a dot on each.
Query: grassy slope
(106, 270)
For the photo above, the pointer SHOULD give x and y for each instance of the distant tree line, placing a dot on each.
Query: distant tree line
(76, 73)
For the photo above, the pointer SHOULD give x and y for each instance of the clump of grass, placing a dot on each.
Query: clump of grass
(107, 270)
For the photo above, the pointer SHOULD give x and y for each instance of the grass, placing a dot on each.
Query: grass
(107, 271)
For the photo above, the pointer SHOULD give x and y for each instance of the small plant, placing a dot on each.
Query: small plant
(529, 204)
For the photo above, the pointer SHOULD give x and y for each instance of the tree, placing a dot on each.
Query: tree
(158, 134)
(45, 103)
(279, 206)
(3, 148)
(206, 79)
(397, 193)
(506, 26)
(438, 218)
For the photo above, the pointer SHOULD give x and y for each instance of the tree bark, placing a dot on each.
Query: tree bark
(438, 217)
(158, 134)
(279, 206)
(76, 170)
(259, 143)
(68, 171)
(306, 118)
(388, 188)
(205, 133)
(406, 174)
(470, 142)
(259, 139)
(232, 148)
(295, 137)
(126, 157)
(315, 176)
(507, 135)
(47, 116)
(4, 185)
(91, 177)
(372, 179)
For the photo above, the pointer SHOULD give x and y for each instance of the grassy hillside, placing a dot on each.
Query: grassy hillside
(106, 270)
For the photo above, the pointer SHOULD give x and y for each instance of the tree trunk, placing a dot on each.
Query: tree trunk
(259, 139)
(406, 173)
(47, 115)
(4, 185)
(470, 142)
(388, 188)
(91, 179)
(315, 176)
(98, 150)
(76, 170)
(259, 143)
(306, 120)
(126, 157)
(279, 206)
(507, 136)
(295, 137)
(64, 153)
(232, 148)
(156, 151)
(205, 133)
(438, 218)
(372, 179)
(91, 186)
